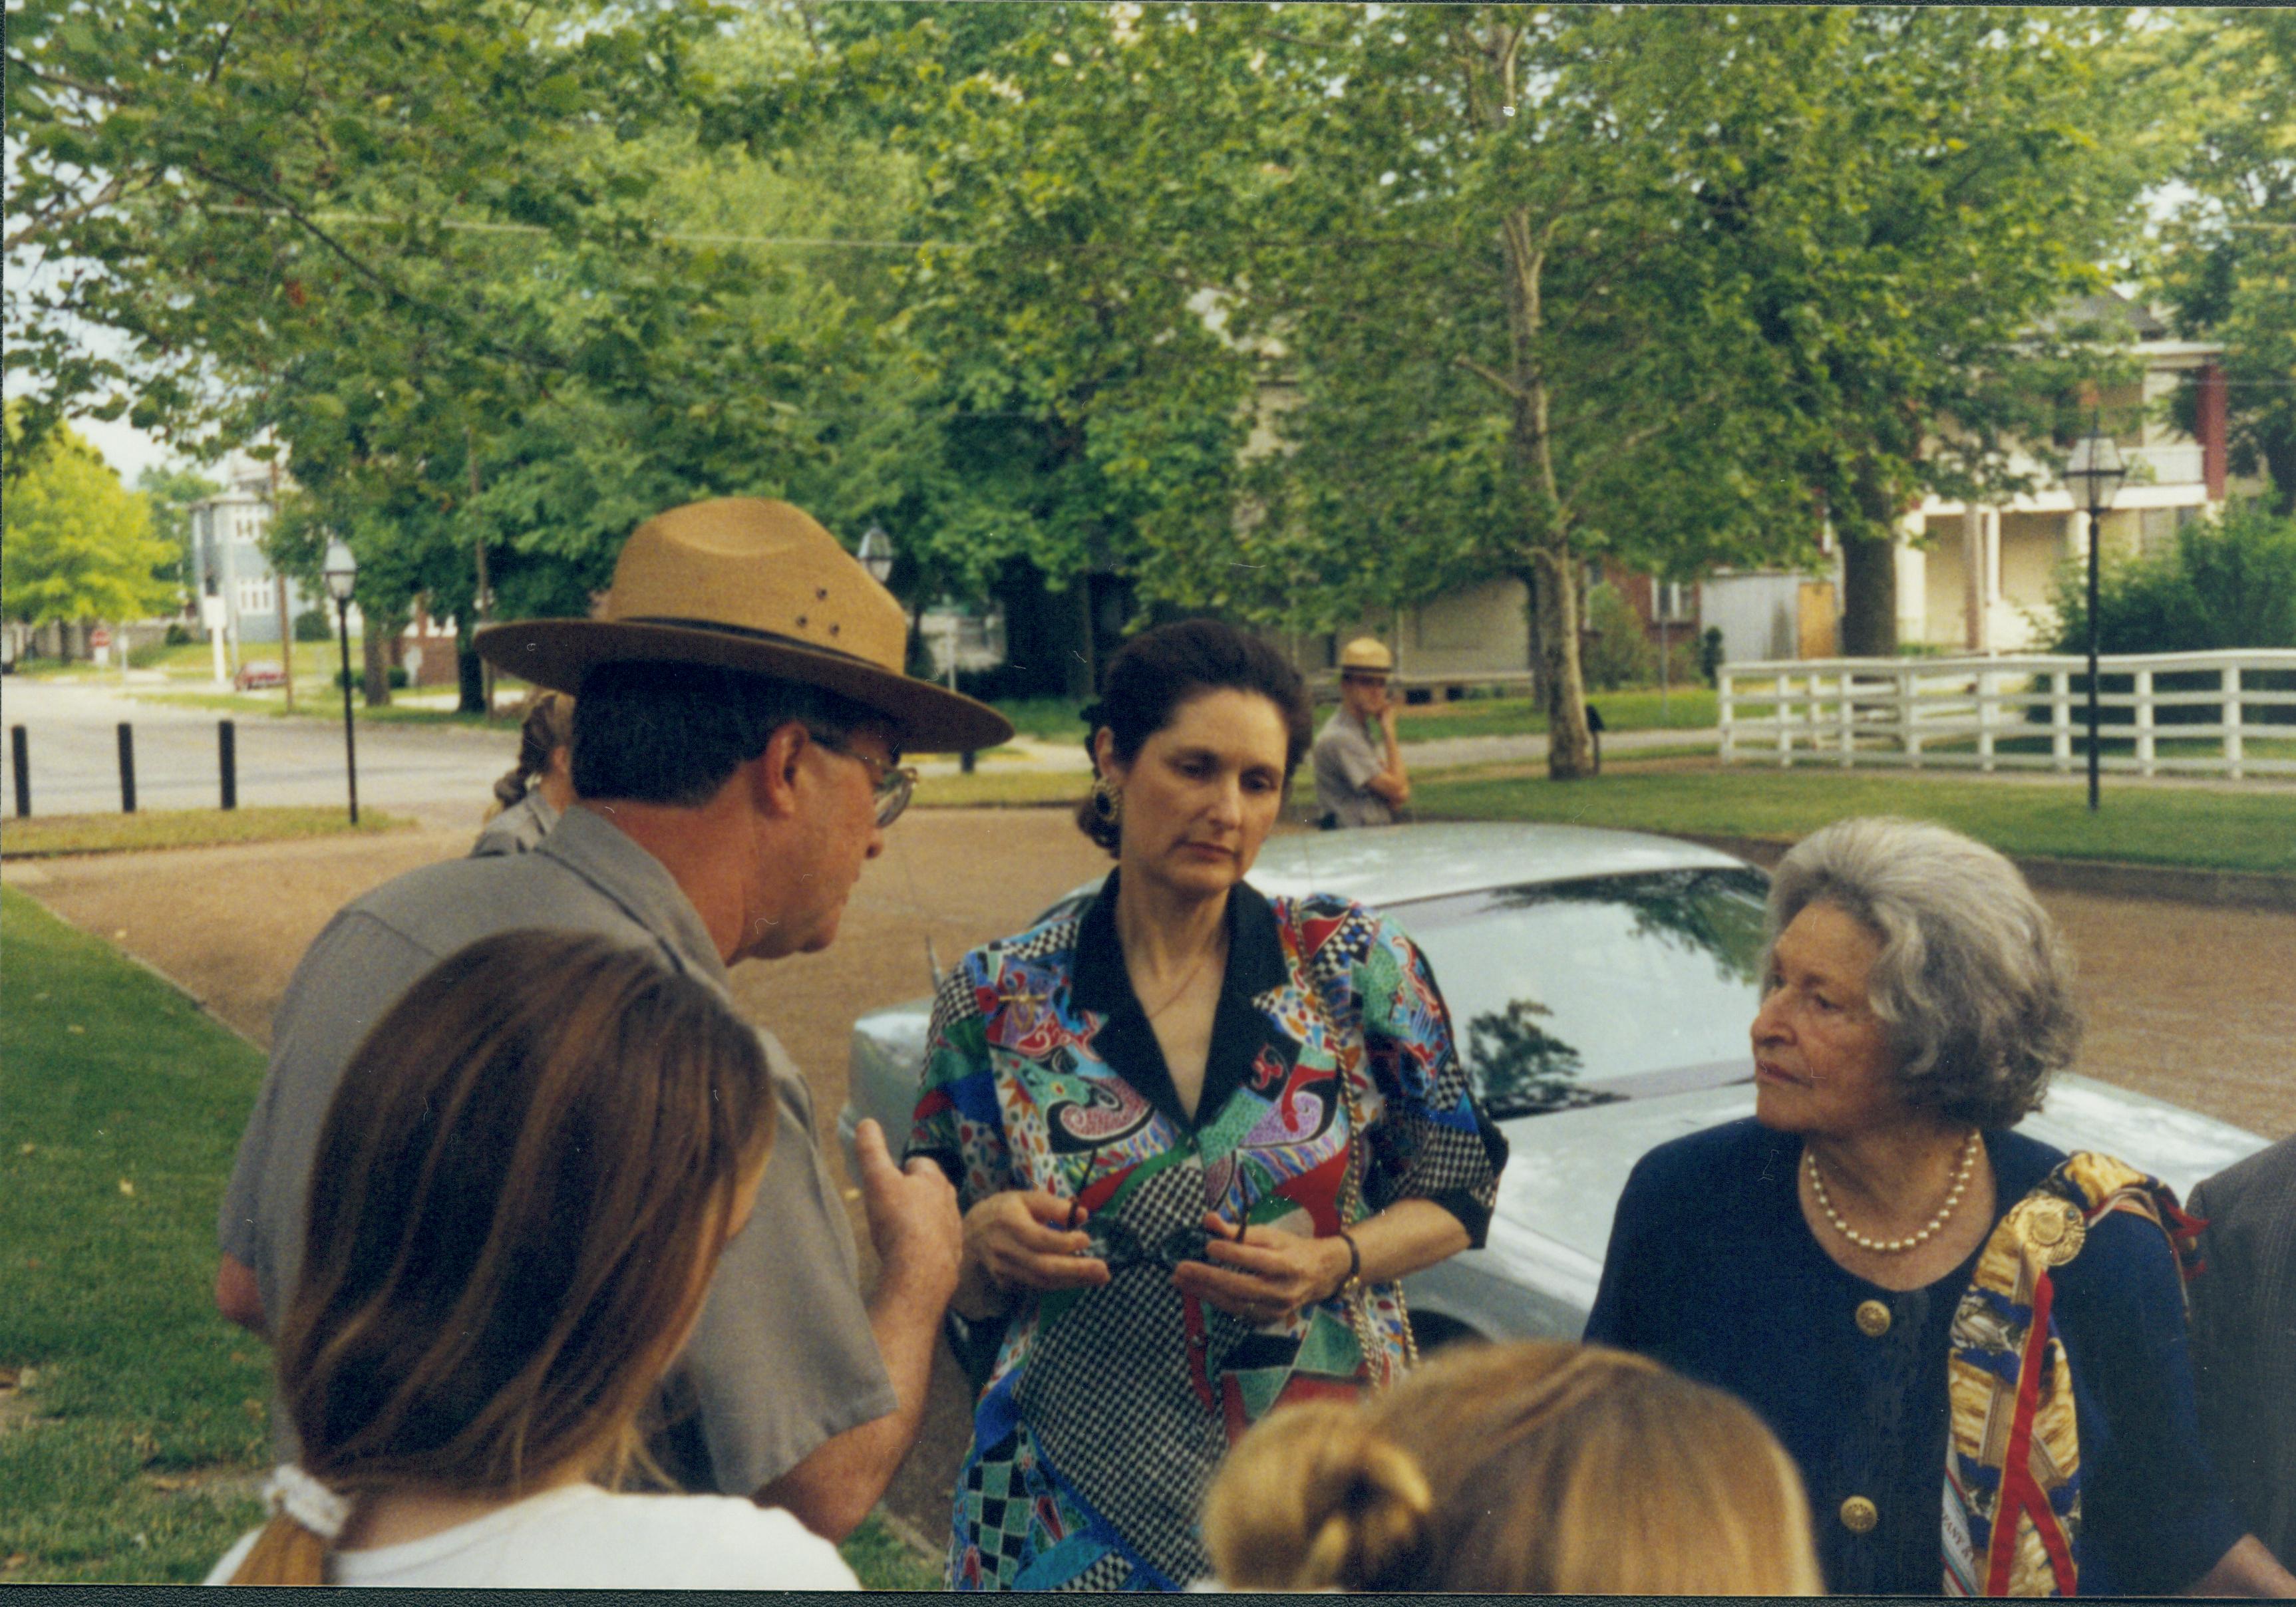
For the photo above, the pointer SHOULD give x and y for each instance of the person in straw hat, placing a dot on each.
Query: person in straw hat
(1360, 780)
(740, 718)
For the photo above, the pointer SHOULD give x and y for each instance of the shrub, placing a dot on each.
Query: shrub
(312, 624)
(179, 634)
(1618, 653)
(395, 677)
(2227, 583)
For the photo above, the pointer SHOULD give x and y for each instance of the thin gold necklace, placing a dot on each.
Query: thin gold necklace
(1173, 997)
(1969, 1152)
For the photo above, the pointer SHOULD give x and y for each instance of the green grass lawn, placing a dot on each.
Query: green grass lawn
(2139, 825)
(1639, 708)
(195, 660)
(1686, 708)
(119, 1107)
(133, 1420)
(46, 836)
(326, 702)
(986, 789)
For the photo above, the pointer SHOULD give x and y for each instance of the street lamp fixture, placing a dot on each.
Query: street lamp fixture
(340, 572)
(2093, 474)
(876, 554)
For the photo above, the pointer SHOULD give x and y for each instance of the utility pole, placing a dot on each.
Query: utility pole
(479, 541)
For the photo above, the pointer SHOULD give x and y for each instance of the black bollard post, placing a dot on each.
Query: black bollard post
(19, 753)
(965, 763)
(127, 768)
(227, 760)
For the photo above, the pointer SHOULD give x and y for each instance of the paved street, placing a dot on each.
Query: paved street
(439, 773)
(429, 771)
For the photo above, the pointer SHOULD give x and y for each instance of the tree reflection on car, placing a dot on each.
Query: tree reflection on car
(1587, 991)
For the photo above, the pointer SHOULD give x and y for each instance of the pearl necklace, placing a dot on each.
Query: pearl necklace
(1969, 1152)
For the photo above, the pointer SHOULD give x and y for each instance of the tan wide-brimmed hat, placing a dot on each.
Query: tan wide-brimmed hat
(1367, 655)
(741, 583)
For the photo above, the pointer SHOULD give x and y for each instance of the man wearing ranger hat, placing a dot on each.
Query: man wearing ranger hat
(1360, 780)
(740, 718)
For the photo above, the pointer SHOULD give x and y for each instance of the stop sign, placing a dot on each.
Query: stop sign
(99, 637)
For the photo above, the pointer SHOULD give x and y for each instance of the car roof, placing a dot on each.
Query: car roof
(1394, 864)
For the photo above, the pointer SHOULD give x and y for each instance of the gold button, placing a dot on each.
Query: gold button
(1860, 1515)
(1873, 1319)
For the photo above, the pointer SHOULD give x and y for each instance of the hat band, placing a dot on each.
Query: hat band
(772, 638)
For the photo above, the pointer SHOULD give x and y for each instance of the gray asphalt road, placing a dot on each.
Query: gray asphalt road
(442, 773)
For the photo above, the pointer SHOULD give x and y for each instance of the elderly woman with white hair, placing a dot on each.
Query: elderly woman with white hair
(1971, 1344)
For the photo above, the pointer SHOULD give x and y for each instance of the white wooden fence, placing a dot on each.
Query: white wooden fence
(2021, 712)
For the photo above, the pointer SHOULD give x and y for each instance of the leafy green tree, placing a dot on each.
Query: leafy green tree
(1908, 197)
(170, 493)
(2228, 267)
(1510, 356)
(1086, 189)
(77, 545)
(474, 265)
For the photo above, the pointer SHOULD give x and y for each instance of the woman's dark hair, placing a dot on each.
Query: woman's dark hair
(1160, 669)
(548, 726)
(529, 1167)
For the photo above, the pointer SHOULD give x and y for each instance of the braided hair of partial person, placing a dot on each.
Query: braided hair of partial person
(548, 726)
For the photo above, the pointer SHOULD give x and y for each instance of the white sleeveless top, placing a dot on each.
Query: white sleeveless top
(579, 1537)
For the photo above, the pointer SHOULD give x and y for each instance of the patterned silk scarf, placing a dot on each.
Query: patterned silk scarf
(2013, 1461)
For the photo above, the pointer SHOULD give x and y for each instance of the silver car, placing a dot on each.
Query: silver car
(1603, 986)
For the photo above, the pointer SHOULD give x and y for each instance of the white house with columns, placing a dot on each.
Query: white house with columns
(1976, 577)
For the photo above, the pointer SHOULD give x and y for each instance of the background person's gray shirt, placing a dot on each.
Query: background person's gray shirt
(782, 1357)
(519, 829)
(1347, 757)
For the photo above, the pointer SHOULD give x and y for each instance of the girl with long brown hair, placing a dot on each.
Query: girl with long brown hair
(526, 1178)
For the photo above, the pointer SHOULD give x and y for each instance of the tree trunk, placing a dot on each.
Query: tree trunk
(1869, 570)
(375, 670)
(1535, 660)
(1570, 742)
(469, 673)
(1869, 598)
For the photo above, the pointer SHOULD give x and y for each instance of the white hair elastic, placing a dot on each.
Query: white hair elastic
(296, 1493)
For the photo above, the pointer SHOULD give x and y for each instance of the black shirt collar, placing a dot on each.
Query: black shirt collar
(1098, 982)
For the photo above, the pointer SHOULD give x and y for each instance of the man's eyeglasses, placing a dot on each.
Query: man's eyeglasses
(892, 784)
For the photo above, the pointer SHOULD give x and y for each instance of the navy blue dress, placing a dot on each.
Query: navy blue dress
(1713, 1271)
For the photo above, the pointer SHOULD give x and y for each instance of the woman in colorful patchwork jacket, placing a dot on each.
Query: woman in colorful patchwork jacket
(1198, 1136)
(1973, 1344)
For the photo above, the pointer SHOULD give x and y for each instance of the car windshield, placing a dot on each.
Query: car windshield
(1575, 993)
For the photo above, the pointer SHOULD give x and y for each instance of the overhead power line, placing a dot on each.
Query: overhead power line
(480, 227)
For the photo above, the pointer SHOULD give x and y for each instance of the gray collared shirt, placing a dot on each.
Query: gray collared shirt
(517, 829)
(784, 1356)
(1346, 757)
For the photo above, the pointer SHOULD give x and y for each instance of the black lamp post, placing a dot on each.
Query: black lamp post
(2093, 474)
(341, 574)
